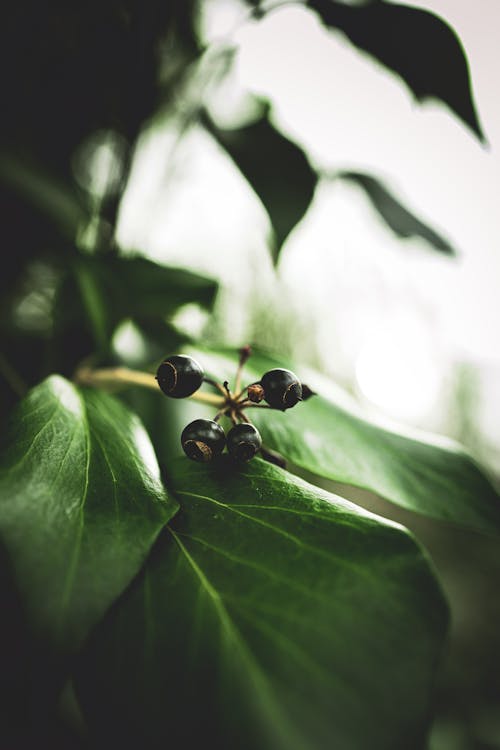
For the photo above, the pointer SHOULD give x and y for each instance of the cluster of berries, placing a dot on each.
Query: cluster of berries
(181, 376)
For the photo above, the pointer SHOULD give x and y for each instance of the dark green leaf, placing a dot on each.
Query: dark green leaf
(276, 168)
(50, 196)
(400, 220)
(102, 291)
(271, 615)
(419, 46)
(333, 439)
(81, 503)
(41, 216)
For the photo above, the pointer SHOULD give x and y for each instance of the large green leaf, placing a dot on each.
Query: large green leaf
(270, 615)
(418, 45)
(396, 216)
(81, 503)
(276, 168)
(330, 437)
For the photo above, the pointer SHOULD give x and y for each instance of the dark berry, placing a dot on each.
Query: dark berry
(203, 440)
(243, 442)
(179, 376)
(282, 389)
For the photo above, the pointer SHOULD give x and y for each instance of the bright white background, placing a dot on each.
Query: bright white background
(413, 335)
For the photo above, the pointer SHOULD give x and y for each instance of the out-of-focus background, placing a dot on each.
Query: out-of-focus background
(413, 334)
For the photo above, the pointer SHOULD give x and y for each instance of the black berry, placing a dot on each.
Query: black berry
(203, 440)
(179, 376)
(243, 442)
(282, 389)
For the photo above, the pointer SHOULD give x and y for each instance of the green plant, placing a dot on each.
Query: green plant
(150, 601)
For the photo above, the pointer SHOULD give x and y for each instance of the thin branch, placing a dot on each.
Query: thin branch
(245, 354)
(215, 385)
(251, 405)
(112, 376)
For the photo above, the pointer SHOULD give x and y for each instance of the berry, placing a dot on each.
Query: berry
(282, 389)
(243, 442)
(179, 376)
(203, 440)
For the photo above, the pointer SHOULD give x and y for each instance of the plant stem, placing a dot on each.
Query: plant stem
(273, 457)
(215, 385)
(250, 405)
(111, 376)
(245, 353)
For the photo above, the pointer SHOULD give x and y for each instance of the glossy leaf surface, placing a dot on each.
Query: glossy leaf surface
(402, 221)
(81, 503)
(270, 615)
(416, 44)
(330, 437)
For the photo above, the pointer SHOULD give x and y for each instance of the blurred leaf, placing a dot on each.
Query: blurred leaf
(400, 220)
(102, 291)
(78, 68)
(58, 201)
(419, 46)
(74, 69)
(335, 440)
(270, 615)
(276, 168)
(40, 219)
(81, 502)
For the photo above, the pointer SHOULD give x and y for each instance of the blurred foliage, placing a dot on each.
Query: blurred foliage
(416, 44)
(99, 293)
(281, 175)
(402, 222)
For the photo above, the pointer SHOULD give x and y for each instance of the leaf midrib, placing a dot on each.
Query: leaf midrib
(341, 561)
(260, 684)
(72, 567)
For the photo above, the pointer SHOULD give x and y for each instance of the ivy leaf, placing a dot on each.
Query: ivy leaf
(100, 292)
(276, 168)
(270, 615)
(414, 43)
(396, 216)
(81, 503)
(329, 437)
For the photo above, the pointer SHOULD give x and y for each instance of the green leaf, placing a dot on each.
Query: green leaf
(397, 217)
(417, 45)
(81, 503)
(329, 436)
(276, 168)
(270, 615)
(50, 196)
(102, 291)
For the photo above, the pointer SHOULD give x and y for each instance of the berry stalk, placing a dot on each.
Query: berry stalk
(109, 377)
